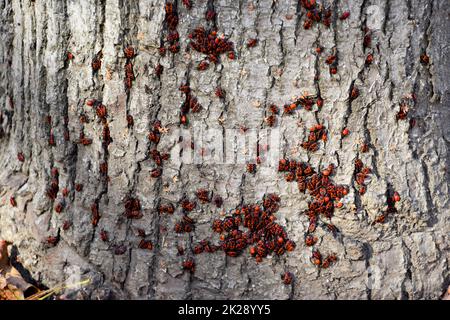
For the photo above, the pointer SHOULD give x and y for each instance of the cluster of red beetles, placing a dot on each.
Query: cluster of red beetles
(190, 104)
(263, 236)
(210, 44)
(324, 192)
(171, 20)
(361, 174)
(317, 133)
(129, 73)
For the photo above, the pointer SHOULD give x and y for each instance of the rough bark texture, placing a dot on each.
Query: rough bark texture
(404, 258)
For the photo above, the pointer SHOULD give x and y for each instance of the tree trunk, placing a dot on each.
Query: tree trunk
(406, 257)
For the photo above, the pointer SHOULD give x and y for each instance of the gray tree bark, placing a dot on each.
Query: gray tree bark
(404, 258)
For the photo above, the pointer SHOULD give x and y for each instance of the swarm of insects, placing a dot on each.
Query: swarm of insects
(317, 133)
(305, 101)
(171, 21)
(263, 235)
(324, 192)
(316, 13)
(210, 44)
(361, 174)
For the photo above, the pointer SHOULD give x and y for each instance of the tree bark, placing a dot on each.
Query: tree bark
(404, 258)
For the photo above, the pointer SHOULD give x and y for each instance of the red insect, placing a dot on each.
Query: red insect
(362, 190)
(345, 15)
(188, 205)
(51, 140)
(287, 278)
(83, 140)
(104, 235)
(119, 249)
(274, 109)
(96, 64)
(203, 65)
(369, 59)
(12, 201)
(59, 207)
(330, 59)
(316, 258)
(319, 102)
(290, 245)
(310, 240)
(189, 265)
(396, 197)
(69, 56)
(52, 240)
(367, 41)
(159, 70)
(101, 111)
(402, 114)
(203, 195)
(210, 15)
(146, 244)
(252, 43)
(20, 157)
(354, 93)
(307, 24)
(169, 8)
(187, 4)
(218, 201)
(141, 233)
(129, 52)
(364, 148)
(66, 225)
(345, 132)
(174, 48)
(95, 214)
(103, 168)
(156, 173)
(381, 218)
(220, 93)
(330, 259)
(270, 120)
(251, 167)
(424, 59)
(132, 208)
